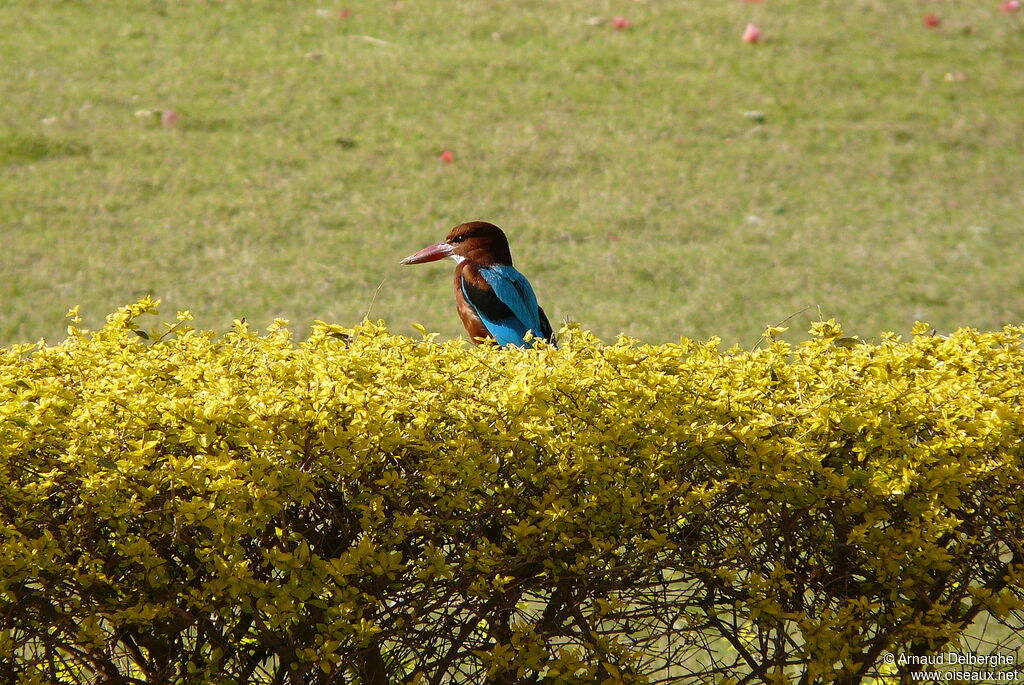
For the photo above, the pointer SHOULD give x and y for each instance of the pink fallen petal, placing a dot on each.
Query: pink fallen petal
(752, 34)
(447, 157)
(1010, 6)
(932, 21)
(169, 117)
(621, 23)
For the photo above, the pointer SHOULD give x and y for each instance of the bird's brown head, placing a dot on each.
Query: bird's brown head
(477, 241)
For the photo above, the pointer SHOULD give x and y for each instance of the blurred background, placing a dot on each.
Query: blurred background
(662, 168)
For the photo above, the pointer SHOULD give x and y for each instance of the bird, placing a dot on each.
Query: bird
(493, 299)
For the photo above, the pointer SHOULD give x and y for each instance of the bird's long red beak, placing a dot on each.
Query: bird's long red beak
(429, 254)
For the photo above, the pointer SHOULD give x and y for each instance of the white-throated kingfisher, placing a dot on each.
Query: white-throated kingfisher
(492, 298)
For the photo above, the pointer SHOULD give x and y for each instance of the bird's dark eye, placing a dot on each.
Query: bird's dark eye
(459, 238)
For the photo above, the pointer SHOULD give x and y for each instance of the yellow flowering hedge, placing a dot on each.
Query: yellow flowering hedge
(359, 507)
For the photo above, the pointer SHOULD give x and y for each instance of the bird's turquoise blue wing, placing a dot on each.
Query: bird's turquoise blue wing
(512, 288)
(509, 309)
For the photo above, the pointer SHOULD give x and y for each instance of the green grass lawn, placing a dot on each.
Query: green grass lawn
(881, 183)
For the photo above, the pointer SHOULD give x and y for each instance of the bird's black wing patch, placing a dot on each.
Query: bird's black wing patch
(545, 327)
(484, 300)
